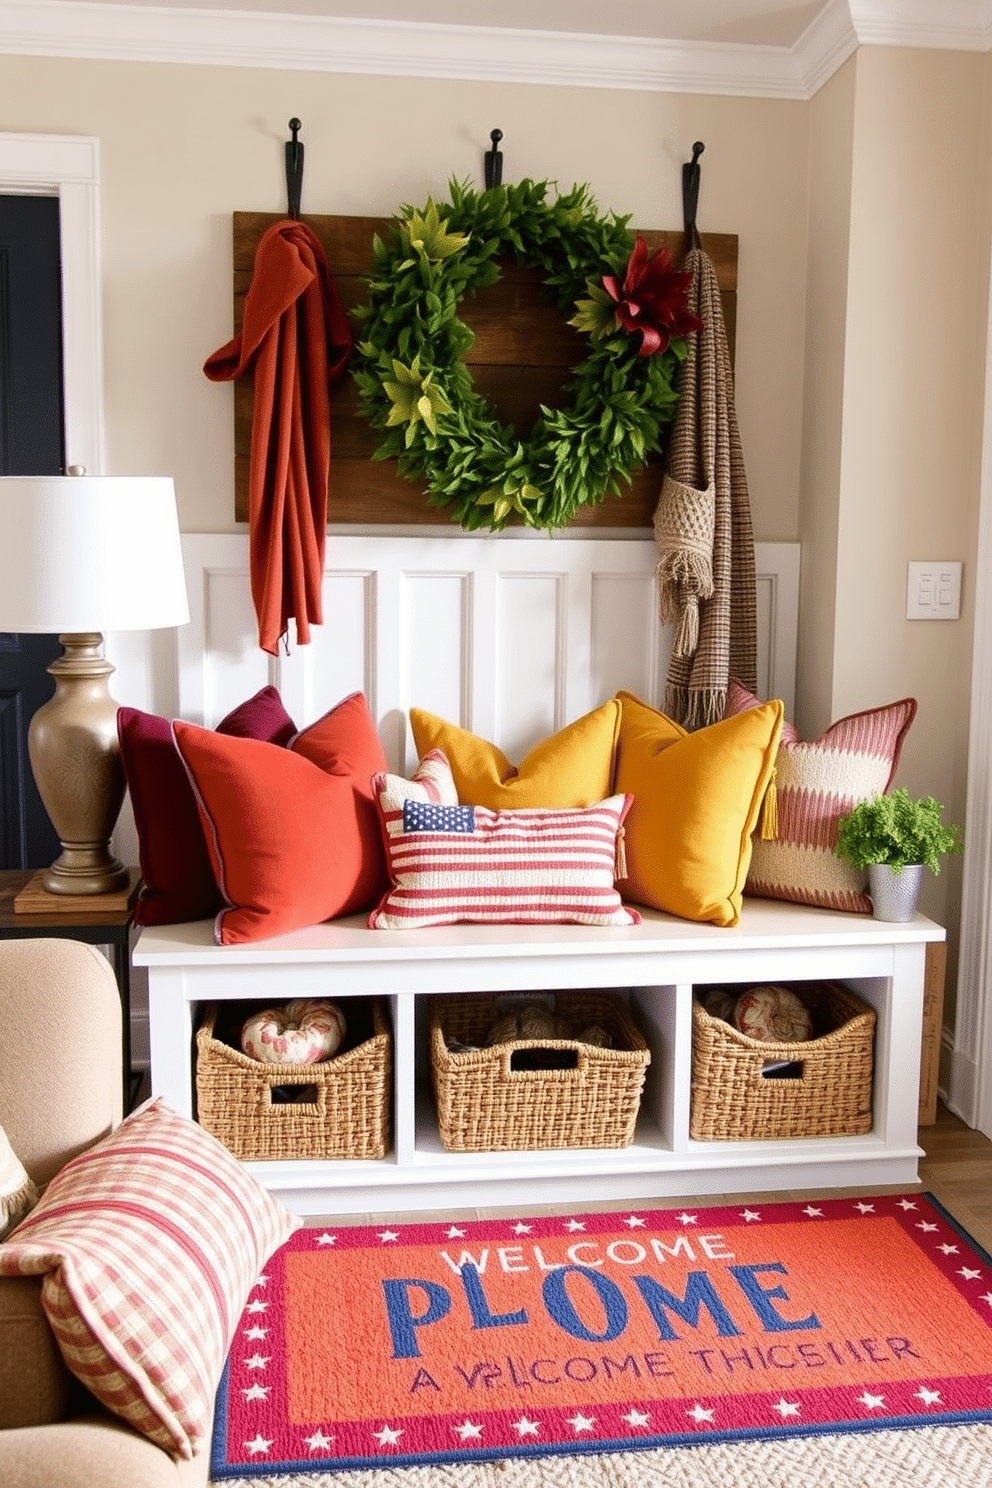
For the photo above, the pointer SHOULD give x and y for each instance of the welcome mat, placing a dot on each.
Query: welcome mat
(603, 1332)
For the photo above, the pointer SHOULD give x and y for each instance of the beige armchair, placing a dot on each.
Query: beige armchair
(60, 1091)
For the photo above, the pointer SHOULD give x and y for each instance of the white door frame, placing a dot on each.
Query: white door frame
(970, 1077)
(68, 166)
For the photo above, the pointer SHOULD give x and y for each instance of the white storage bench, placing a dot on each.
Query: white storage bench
(656, 964)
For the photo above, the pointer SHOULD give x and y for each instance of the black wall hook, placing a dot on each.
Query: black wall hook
(690, 193)
(494, 161)
(294, 169)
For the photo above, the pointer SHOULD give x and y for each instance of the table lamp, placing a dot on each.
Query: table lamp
(80, 555)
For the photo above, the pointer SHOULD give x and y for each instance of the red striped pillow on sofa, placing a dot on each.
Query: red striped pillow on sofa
(149, 1244)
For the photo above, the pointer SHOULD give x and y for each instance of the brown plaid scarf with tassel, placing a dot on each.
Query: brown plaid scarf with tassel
(702, 525)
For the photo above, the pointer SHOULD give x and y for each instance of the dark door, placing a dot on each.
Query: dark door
(31, 443)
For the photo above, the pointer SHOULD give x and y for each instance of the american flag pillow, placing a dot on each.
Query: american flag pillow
(149, 1245)
(526, 867)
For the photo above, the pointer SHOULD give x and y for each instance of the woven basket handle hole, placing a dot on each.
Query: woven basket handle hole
(294, 1095)
(782, 1069)
(543, 1059)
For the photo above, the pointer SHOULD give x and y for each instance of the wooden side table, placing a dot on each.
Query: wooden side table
(97, 919)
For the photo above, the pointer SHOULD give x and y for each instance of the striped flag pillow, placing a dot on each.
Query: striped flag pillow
(527, 867)
(149, 1244)
(815, 785)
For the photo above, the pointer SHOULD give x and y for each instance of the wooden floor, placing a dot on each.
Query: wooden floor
(957, 1170)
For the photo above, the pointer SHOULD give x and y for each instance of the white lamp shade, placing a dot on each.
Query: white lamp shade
(90, 553)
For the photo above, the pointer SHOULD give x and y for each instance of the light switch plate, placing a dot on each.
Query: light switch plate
(933, 590)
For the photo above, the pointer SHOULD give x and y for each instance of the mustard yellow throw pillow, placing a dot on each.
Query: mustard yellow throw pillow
(572, 768)
(696, 802)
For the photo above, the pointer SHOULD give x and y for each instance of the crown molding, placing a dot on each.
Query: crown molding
(312, 43)
(824, 46)
(954, 25)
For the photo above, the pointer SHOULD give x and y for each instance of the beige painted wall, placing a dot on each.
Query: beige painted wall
(912, 406)
(184, 147)
(831, 164)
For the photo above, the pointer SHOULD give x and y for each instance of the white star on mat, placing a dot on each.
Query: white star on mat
(522, 1229)
(256, 1362)
(786, 1407)
(325, 1238)
(257, 1306)
(906, 1204)
(927, 1227)
(259, 1444)
(636, 1418)
(929, 1397)
(263, 1280)
(318, 1442)
(986, 1298)
(872, 1402)
(812, 1212)
(468, 1429)
(256, 1332)
(699, 1414)
(581, 1423)
(454, 1233)
(688, 1219)
(575, 1224)
(750, 1215)
(256, 1392)
(969, 1273)
(388, 1436)
(948, 1249)
(865, 1208)
(526, 1428)
(634, 1222)
(387, 1235)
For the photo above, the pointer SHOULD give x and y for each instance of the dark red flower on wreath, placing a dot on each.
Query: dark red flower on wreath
(653, 299)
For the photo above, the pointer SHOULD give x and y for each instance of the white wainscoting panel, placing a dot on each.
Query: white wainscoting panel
(510, 638)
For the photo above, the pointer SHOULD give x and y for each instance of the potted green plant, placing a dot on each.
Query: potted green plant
(895, 837)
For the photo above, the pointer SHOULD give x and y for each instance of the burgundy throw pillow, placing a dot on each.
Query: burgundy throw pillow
(261, 717)
(179, 881)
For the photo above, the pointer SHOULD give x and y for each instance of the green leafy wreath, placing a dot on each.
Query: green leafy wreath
(415, 388)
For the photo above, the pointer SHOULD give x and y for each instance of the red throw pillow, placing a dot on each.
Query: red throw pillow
(178, 880)
(293, 834)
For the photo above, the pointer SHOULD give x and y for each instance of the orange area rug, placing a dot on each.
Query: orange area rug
(636, 1328)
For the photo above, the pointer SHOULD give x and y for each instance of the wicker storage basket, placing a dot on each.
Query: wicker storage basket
(735, 1097)
(486, 1104)
(346, 1110)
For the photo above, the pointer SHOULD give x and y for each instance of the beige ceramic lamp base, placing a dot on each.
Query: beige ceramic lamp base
(76, 762)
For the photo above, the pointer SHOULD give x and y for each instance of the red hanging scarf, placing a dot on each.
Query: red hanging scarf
(297, 339)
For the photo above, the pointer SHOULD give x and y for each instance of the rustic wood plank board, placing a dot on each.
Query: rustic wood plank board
(522, 355)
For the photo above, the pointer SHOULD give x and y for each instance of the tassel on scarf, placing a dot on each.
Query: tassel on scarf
(686, 637)
(769, 812)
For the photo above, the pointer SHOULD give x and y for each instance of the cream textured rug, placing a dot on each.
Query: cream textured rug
(926, 1457)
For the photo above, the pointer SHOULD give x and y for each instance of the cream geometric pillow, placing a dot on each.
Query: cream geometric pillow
(817, 783)
(18, 1193)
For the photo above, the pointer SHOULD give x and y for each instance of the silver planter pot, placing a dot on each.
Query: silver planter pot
(894, 891)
